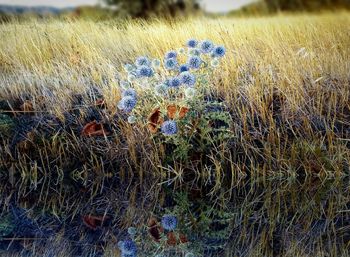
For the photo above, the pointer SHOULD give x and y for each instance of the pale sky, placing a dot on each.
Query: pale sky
(210, 5)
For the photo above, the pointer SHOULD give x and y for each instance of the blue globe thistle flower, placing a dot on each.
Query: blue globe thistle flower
(206, 46)
(215, 63)
(128, 68)
(131, 230)
(127, 247)
(194, 62)
(188, 78)
(192, 43)
(174, 82)
(170, 64)
(127, 103)
(181, 51)
(169, 222)
(144, 71)
(142, 60)
(183, 68)
(219, 51)
(156, 63)
(129, 92)
(169, 128)
(171, 54)
(131, 120)
(131, 78)
(190, 92)
(125, 84)
(161, 89)
(194, 51)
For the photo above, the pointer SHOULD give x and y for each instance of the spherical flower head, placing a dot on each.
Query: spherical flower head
(181, 51)
(192, 43)
(145, 71)
(219, 51)
(194, 52)
(131, 78)
(174, 82)
(169, 222)
(215, 63)
(188, 78)
(129, 92)
(194, 62)
(131, 120)
(128, 68)
(142, 61)
(127, 247)
(183, 68)
(190, 92)
(170, 64)
(161, 89)
(125, 84)
(206, 46)
(156, 63)
(132, 231)
(171, 54)
(127, 103)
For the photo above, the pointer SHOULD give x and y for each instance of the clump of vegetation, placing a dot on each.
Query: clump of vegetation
(175, 101)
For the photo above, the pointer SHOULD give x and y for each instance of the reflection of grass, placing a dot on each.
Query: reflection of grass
(285, 80)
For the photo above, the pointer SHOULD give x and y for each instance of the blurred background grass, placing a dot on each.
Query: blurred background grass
(121, 9)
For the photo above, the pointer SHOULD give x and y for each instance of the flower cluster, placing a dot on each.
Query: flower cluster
(175, 80)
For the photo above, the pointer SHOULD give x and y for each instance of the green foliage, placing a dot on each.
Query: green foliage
(208, 226)
(147, 8)
(204, 127)
(6, 225)
(6, 125)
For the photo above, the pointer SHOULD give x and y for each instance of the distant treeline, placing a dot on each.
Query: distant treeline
(111, 9)
(273, 6)
(308, 5)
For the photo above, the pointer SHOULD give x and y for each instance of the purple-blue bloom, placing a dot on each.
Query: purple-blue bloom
(192, 43)
(128, 247)
(144, 71)
(174, 82)
(188, 78)
(170, 64)
(194, 62)
(206, 46)
(142, 60)
(171, 54)
(183, 68)
(129, 92)
(219, 51)
(169, 222)
(127, 103)
(169, 128)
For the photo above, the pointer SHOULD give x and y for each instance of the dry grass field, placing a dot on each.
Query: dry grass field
(279, 184)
